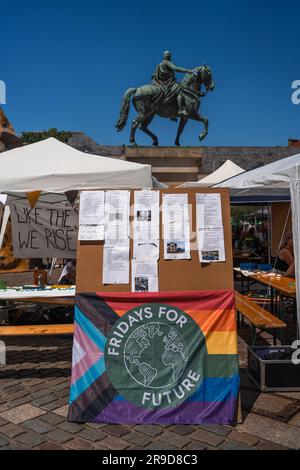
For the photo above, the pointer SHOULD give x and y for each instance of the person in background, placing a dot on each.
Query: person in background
(250, 242)
(285, 257)
(236, 237)
(68, 274)
(291, 270)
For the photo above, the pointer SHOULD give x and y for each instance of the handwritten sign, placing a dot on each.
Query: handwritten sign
(47, 230)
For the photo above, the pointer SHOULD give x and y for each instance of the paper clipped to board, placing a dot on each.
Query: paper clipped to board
(210, 232)
(91, 215)
(176, 226)
(117, 241)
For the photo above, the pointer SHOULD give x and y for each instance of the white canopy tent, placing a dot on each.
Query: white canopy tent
(225, 171)
(54, 167)
(276, 176)
(266, 183)
(278, 180)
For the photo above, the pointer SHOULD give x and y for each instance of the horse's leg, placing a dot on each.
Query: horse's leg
(144, 128)
(198, 117)
(135, 124)
(181, 126)
(141, 109)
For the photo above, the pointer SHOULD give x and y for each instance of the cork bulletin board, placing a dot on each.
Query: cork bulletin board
(173, 275)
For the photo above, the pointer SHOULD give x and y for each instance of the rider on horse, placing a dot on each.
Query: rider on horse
(167, 98)
(164, 78)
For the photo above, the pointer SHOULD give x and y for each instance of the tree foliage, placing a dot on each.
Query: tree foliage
(32, 137)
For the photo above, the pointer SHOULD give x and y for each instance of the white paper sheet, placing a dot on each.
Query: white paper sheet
(116, 262)
(210, 233)
(144, 250)
(176, 226)
(91, 232)
(146, 215)
(117, 206)
(146, 225)
(91, 208)
(211, 245)
(144, 276)
(116, 246)
(209, 210)
(3, 198)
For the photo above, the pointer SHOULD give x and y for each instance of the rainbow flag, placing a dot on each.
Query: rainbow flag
(167, 357)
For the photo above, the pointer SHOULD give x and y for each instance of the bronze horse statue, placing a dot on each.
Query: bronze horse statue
(147, 102)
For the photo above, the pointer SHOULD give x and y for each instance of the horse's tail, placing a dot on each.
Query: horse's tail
(124, 111)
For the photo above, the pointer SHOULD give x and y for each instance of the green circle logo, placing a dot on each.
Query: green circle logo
(154, 355)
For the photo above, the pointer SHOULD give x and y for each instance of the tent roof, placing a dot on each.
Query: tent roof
(52, 166)
(225, 171)
(268, 183)
(274, 175)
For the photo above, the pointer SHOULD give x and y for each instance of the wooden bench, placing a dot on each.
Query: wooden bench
(28, 330)
(258, 317)
(32, 330)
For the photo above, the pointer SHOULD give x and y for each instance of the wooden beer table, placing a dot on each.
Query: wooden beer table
(46, 300)
(47, 296)
(282, 285)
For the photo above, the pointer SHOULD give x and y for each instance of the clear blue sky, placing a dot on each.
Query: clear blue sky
(67, 63)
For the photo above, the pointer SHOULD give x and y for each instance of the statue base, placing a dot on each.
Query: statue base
(170, 165)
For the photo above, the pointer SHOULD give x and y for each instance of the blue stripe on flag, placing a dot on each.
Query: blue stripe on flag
(217, 389)
(90, 330)
(87, 379)
(213, 389)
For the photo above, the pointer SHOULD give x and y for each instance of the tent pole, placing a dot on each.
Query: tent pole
(5, 218)
(295, 202)
(269, 232)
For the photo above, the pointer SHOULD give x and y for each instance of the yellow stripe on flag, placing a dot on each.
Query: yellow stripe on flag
(221, 342)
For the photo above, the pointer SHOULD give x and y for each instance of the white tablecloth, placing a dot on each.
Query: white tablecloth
(14, 294)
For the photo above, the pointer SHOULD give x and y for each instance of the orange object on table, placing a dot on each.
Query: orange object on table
(40, 277)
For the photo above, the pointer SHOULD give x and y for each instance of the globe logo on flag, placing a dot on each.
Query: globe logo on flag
(151, 347)
(153, 356)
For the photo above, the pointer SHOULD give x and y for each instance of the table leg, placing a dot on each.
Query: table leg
(276, 303)
(282, 316)
(253, 335)
(272, 300)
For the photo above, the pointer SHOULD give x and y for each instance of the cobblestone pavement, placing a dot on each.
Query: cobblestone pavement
(34, 389)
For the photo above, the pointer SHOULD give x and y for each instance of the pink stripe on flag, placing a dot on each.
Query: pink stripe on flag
(92, 356)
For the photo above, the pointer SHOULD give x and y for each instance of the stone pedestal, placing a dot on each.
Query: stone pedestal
(171, 165)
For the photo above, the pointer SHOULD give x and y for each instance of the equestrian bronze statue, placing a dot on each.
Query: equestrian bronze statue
(167, 98)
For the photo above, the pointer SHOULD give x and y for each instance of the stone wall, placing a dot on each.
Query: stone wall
(211, 158)
(246, 157)
(175, 165)
(172, 165)
(84, 143)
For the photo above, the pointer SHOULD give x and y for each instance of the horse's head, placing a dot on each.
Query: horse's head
(204, 75)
